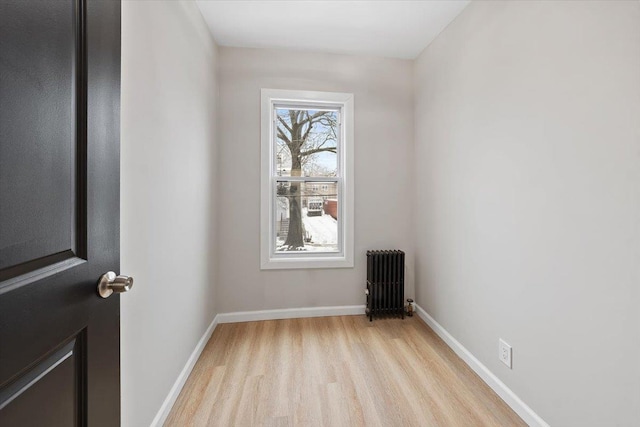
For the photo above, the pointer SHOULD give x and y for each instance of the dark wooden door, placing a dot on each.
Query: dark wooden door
(59, 212)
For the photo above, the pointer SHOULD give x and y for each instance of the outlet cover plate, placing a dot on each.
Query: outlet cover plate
(504, 352)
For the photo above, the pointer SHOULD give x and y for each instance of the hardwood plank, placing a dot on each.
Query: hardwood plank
(335, 371)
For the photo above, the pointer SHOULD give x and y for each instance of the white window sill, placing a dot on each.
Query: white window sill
(290, 263)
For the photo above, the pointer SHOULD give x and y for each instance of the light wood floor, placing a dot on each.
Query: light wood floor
(335, 371)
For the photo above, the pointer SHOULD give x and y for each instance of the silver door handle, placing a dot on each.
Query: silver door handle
(110, 283)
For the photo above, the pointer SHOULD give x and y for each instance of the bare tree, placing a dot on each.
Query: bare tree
(305, 134)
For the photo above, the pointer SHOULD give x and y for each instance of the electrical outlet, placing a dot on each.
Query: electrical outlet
(504, 352)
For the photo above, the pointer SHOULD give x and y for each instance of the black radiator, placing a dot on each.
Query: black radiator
(385, 283)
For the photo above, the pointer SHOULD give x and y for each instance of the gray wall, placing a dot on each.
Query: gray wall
(527, 171)
(384, 141)
(169, 163)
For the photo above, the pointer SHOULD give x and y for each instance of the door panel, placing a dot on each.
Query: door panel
(38, 80)
(59, 211)
(55, 383)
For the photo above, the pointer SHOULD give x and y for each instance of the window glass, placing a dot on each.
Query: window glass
(315, 222)
(306, 142)
(306, 146)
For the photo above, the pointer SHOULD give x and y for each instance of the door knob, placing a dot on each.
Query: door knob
(110, 283)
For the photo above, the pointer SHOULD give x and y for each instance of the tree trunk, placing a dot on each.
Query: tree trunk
(295, 237)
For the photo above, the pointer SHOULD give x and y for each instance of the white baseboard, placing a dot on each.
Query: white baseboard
(170, 400)
(290, 313)
(510, 398)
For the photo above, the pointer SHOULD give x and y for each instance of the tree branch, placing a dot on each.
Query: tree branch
(306, 133)
(317, 150)
(283, 137)
(284, 123)
(313, 117)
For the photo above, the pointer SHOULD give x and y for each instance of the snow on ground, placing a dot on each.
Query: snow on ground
(323, 230)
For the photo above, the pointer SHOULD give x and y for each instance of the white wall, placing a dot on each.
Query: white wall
(384, 140)
(169, 158)
(528, 193)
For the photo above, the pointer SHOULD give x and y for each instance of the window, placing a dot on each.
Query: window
(307, 179)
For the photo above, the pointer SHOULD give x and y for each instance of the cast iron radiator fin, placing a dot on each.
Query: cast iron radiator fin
(385, 283)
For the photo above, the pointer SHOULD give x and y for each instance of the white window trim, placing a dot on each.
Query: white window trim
(344, 259)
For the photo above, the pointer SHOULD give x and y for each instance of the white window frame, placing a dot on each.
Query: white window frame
(269, 259)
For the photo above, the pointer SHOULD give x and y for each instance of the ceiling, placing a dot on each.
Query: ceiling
(396, 29)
